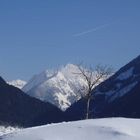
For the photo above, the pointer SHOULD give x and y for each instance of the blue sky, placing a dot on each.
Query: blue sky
(41, 34)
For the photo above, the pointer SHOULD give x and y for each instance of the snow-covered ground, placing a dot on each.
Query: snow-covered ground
(97, 129)
(6, 130)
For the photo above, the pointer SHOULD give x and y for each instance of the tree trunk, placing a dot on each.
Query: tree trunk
(87, 110)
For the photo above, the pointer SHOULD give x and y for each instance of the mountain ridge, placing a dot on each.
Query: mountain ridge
(17, 83)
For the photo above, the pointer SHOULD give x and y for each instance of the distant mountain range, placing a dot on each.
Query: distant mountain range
(18, 108)
(61, 87)
(117, 96)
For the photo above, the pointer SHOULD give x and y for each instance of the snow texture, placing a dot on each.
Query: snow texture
(126, 75)
(121, 88)
(123, 91)
(97, 129)
(7, 130)
(17, 83)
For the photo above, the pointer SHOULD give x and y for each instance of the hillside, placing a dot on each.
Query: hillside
(17, 108)
(115, 97)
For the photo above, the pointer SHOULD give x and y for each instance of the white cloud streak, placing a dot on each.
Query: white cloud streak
(91, 30)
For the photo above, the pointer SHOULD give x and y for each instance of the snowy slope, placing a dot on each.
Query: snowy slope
(17, 83)
(100, 129)
(123, 82)
(60, 87)
(6, 130)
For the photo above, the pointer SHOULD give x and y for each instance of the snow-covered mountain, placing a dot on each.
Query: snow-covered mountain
(17, 83)
(60, 87)
(98, 129)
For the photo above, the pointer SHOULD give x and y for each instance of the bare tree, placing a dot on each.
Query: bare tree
(92, 78)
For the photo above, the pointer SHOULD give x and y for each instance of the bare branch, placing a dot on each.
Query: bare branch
(92, 78)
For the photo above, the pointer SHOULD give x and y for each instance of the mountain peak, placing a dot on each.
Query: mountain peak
(70, 66)
(59, 87)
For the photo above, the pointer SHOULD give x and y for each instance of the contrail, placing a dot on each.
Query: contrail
(92, 30)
